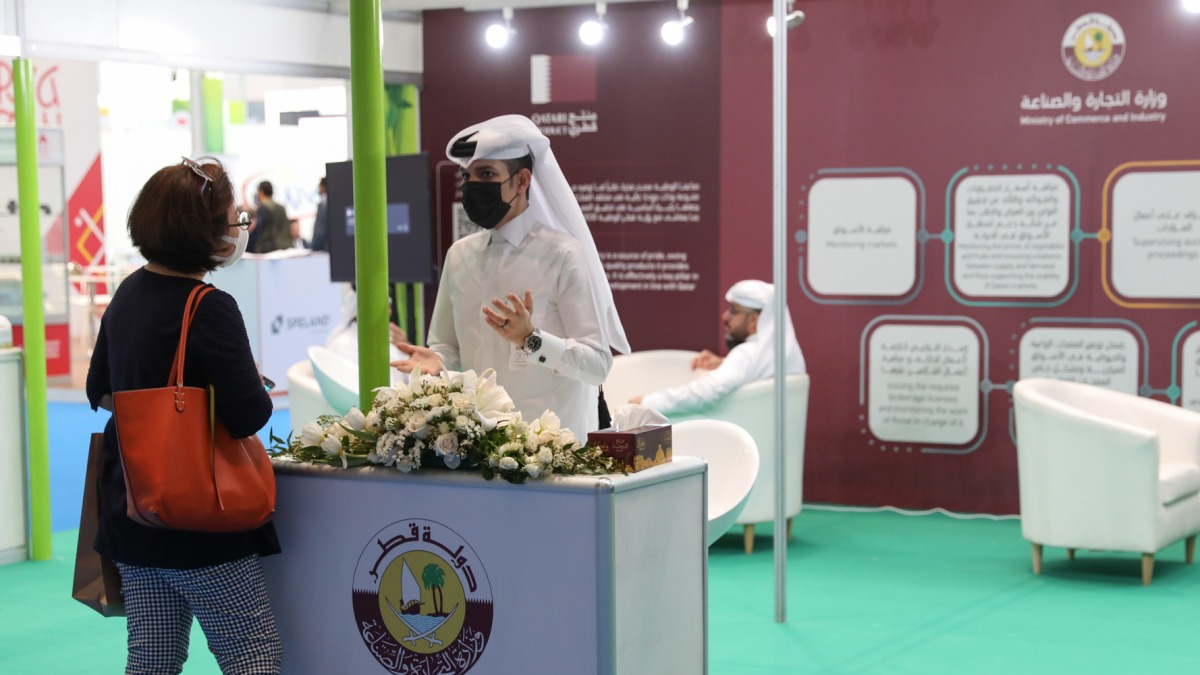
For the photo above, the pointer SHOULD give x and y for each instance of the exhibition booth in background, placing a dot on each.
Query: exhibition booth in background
(944, 239)
(978, 193)
(972, 199)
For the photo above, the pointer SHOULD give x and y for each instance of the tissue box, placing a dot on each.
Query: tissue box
(638, 448)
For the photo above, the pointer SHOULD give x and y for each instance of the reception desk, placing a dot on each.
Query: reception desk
(444, 572)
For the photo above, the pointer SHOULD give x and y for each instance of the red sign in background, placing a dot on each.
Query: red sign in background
(58, 343)
(964, 210)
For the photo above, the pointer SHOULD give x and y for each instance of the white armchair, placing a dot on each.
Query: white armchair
(732, 458)
(751, 407)
(305, 401)
(337, 377)
(643, 372)
(1100, 469)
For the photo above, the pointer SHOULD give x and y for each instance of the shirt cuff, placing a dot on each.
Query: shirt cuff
(551, 353)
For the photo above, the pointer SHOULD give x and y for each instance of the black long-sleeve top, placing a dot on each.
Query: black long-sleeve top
(137, 341)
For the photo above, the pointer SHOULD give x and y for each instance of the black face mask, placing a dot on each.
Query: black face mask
(483, 203)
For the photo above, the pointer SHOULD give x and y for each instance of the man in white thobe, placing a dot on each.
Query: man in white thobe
(749, 333)
(527, 295)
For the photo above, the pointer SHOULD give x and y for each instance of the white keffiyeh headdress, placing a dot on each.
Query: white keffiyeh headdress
(551, 200)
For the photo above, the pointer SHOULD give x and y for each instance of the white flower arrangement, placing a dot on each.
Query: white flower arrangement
(452, 420)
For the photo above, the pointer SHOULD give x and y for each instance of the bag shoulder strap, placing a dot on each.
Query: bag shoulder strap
(189, 312)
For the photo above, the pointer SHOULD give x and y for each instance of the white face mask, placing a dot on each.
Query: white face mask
(239, 247)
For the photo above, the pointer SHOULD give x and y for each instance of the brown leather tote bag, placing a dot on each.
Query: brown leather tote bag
(183, 470)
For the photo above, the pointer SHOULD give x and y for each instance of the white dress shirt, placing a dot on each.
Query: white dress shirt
(737, 369)
(564, 374)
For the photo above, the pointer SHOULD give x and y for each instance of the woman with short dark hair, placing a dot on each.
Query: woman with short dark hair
(185, 225)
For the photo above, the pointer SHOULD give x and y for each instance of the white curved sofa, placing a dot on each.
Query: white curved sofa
(305, 401)
(1104, 470)
(732, 455)
(751, 406)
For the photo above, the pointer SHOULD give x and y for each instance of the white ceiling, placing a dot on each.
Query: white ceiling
(397, 8)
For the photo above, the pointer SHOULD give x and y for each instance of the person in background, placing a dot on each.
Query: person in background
(274, 226)
(184, 223)
(297, 240)
(320, 236)
(527, 294)
(749, 335)
(343, 339)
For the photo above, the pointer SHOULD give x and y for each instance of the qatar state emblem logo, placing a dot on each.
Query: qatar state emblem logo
(1093, 47)
(422, 600)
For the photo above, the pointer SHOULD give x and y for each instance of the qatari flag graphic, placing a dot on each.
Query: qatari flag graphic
(562, 78)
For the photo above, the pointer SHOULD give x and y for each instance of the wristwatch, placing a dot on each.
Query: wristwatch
(533, 342)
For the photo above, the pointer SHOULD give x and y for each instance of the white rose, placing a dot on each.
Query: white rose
(312, 434)
(545, 455)
(533, 469)
(508, 464)
(332, 445)
(459, 401)
(383, 395)
(567, 438)
(372, 422)
(446, 444)
(549, 421)
(355, 419)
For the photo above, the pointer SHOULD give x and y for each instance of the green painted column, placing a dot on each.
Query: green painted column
(34, 319)
(370, 197)
(213, 89)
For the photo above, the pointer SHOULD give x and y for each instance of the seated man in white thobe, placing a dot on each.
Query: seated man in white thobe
(527, 295)
(749, 334)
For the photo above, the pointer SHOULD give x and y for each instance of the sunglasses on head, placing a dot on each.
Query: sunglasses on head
(196, 169)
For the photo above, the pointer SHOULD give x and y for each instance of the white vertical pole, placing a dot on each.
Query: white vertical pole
(779, 142)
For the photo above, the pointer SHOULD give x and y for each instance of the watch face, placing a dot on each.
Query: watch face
(533, 343)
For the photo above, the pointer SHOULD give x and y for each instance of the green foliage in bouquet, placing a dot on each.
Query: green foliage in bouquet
(453, 420)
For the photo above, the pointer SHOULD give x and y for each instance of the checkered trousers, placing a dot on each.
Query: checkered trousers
(230, 602)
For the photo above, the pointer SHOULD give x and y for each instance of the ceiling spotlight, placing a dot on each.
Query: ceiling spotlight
(672, 31)
(497, 35)
(793, 19)
(591, 32)
(1192, 6)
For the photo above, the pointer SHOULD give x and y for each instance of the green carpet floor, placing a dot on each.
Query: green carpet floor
(868, 593)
